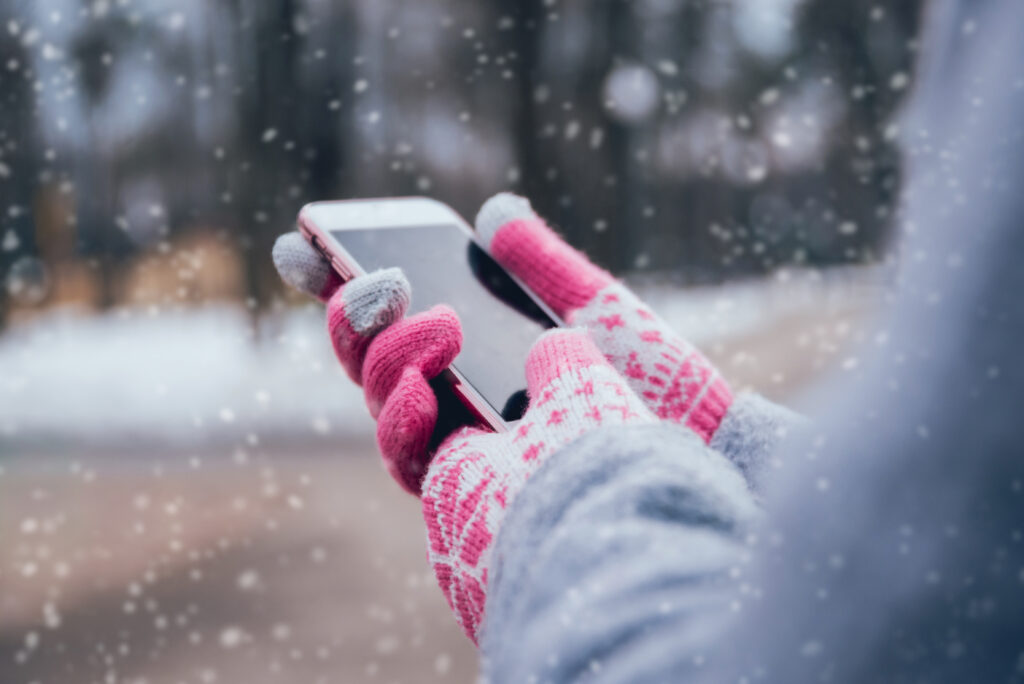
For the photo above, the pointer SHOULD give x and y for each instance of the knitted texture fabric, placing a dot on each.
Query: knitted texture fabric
(399, 362)
(750, 434)
(674, 379)
(475, 475)
(624, 366)
(303, 268)
(360, 309)
(377, 300)
(393, 358)
(562, 276)
(628, 538)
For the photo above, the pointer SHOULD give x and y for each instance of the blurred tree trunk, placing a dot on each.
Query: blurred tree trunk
(268, 102)
(865, 51)
(95, 191)
(95, 209)
(626, 46)
(18, 164)
(527, 41)
(327, 109)
(600, 185)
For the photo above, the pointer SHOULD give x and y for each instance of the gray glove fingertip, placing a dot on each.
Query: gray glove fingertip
(499, 210)
(302, 267)
(374, 301)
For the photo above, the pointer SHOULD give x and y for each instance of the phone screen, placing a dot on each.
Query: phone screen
(500, 321)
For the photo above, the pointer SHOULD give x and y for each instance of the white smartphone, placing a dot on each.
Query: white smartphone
(438, 252)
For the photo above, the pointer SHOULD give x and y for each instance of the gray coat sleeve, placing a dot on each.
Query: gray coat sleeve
(749, 434)
(616, 562)
(900, 520)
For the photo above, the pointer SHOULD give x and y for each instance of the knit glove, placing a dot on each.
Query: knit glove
(674, 380)
(476, 474)
(392, 357)
(473, 476)
(624, 365)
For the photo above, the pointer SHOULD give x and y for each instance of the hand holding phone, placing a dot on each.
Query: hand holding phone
(369, 310)
(438, 253)
(670, 376)
(427, 375)
(624, 367)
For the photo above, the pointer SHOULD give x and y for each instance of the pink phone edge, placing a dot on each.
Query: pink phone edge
(348, 268)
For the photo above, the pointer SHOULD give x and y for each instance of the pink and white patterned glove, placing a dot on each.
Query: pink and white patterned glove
(674, 379)
(624, 366)
(476, 474)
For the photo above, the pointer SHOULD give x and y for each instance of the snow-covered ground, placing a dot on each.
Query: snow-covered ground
(185, 376)
(196, 376)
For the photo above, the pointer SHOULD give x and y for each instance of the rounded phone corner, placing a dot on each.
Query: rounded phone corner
(305, 214)
(302, 222)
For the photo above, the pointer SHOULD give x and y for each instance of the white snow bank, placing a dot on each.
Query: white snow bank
(187, 376)
(197, 376)
(709, 314)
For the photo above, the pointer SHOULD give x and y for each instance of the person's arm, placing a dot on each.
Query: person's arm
(633, 368)
(672, 376)
(901, 519)
(616, 561)
(893, 546)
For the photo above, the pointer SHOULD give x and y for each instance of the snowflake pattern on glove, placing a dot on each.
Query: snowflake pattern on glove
(673, 378)
(475, 475)
(677, 382)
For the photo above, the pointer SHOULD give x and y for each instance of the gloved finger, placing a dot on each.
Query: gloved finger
(404, 427)
(523, 243)
(670, 375)
(303, 267)
(469, 483)
(428, 342)
(569, 380)
(475, 475)
(398, 364)
(360, 309)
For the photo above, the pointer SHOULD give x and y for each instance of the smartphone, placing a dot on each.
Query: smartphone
(437, 250)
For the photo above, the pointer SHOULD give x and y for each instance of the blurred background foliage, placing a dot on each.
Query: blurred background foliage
(151, 150)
